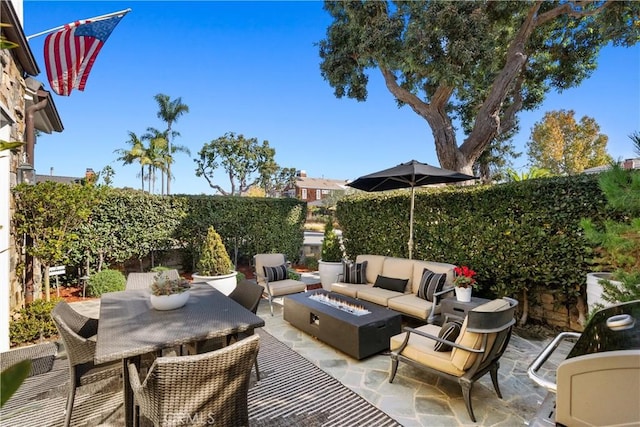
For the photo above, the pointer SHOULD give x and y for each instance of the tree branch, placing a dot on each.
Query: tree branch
(566, 9)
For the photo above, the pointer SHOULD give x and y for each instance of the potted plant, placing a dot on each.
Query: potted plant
(464, 283)
(330, 264)
(215, 266)
(167, 293)
(616, 245)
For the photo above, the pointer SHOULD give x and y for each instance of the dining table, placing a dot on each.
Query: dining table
(130, 327)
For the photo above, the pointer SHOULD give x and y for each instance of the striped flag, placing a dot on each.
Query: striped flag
(70, 53)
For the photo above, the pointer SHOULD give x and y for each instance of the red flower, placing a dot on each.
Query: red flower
(464, 276)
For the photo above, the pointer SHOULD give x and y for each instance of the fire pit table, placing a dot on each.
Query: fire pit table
(357, 328)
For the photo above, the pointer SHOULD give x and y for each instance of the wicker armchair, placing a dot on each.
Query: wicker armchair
(78, 335)
(203, 389)
(482, 340)
(275, 288)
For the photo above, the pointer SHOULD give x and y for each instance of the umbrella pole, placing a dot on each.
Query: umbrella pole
(410, 243)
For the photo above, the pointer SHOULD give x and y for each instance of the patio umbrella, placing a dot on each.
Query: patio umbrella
(408, 175)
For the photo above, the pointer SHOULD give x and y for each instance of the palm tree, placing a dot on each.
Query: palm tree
(533, 173)
(161, 151)
(136, 152)
(169, 112)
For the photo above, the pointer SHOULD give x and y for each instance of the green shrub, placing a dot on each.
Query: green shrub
(292, 274)
(33, 322)
(331, 245)
(311, 263)
(159, 268)
(105, 281)
(214, 259)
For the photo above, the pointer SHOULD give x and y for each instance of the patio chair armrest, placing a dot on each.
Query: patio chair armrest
(443, 292)
(435, 338)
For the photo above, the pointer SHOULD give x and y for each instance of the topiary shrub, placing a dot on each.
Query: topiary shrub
(105, 281)
(214, 259)
(331, 245)
(33, 322)
(311, 263)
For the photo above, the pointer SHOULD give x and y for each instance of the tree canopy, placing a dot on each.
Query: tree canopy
(474, 65)
(564, 146)
(246, 162)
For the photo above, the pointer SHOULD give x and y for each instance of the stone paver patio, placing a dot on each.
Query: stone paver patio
(416, 398)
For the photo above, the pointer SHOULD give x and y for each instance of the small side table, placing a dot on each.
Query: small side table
(452, 308)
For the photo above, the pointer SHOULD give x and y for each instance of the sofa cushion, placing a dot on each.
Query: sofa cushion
(390, 283)
(348, 289)
(375, 295)
(421, 350)
(411, 305)
(449, 332)
(354, 272)
(374, 265)
(430, 283)
(273, 274)
(286, 286)
(398, 268)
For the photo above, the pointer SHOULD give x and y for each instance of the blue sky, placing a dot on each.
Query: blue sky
(253, 68)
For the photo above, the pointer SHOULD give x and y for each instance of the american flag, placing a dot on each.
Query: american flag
(70, 53)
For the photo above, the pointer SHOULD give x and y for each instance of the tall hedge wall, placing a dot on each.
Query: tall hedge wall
(131, 223)
(518, 236)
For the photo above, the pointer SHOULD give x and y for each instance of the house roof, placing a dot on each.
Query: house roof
(60, 179)
(321, 183)
(15, 34)
(46, 120)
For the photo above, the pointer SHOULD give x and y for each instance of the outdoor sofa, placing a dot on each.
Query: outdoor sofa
(411, 287)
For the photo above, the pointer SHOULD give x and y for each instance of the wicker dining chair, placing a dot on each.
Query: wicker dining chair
(78, 334)
(208, 388)
(248, 294)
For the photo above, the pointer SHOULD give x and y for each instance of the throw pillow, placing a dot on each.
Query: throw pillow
(449, 332)
(354, 272)
(391, 283)
(273, 274)
(430, 283)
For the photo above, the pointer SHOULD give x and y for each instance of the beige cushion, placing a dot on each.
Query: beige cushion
(398, 268)
(421, 350)
(348, 289)
(379, 296)
(288, 286)
(412, 305)
(374, 265)
(463, 359)
(266, 260)
(436, 267)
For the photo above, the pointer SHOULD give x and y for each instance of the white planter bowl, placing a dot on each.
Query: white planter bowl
(169, 302)
(225, 283)
(463, 294)
(329, 272)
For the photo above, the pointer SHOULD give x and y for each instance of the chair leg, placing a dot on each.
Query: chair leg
(271, 305)
(494, 379)
(70, 398)
(466, 394)
(393, 369)
(257, 371)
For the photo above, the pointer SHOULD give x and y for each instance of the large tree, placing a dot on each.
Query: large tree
(563, 146)
(245, 161)
(475, 64)
(169, 111)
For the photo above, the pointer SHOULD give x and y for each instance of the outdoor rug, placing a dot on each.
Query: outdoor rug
(291, 392)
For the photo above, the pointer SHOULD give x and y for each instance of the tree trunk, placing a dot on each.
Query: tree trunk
(47, 284)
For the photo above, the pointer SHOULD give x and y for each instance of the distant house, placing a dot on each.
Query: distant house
(314, 190)
(89, 175)
(625, 164)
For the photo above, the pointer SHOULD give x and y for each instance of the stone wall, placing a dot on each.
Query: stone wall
(551, 308)
(12, 97)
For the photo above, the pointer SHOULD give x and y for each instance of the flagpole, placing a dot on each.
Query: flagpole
(97, 18)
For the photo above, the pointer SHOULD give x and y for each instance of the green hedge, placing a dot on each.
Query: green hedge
(518, 236)
(131, 224)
